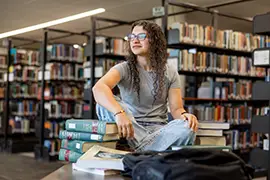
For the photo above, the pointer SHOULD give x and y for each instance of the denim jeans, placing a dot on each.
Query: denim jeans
(152, 136)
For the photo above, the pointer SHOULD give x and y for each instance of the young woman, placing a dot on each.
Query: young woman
(147, 87)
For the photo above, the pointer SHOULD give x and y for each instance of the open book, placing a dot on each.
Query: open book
(99, 157)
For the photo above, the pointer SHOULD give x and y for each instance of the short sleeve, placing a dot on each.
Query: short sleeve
(122, 68)
(174, 78)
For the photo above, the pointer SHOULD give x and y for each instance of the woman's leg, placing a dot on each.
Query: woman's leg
(176, 132)
(139, 131)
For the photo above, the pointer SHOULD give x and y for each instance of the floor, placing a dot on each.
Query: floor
(24, 167)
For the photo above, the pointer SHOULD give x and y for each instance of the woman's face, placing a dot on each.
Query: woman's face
(139, 41)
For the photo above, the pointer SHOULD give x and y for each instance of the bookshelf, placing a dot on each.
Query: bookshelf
(260, 157)
(60, 92)
(213, 58)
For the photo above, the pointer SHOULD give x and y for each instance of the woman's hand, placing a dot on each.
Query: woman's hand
(124, 124)
(193, 122)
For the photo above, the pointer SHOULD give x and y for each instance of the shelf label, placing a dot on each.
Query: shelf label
(94, 137)
(261, 57)
(78, 146)
(72, 125)
(158, 11)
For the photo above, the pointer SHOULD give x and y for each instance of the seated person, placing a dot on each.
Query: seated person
(147, 86)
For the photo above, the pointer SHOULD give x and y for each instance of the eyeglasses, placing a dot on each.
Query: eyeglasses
(140, 36)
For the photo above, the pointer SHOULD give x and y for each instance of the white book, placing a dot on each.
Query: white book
(208, 132)
(213, 125)
(102, 157)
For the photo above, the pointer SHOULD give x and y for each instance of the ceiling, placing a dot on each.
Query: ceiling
(23, 13)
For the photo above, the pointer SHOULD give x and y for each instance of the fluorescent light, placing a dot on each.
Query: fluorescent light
(52, 23)
(76, 46)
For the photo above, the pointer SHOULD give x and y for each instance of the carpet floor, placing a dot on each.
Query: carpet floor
(19, 167)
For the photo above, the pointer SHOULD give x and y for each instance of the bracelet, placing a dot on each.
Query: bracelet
(119, 112)
(184, 113)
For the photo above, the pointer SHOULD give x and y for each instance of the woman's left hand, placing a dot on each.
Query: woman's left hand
(193, 122)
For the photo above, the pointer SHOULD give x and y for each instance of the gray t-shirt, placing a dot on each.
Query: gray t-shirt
(146, 111)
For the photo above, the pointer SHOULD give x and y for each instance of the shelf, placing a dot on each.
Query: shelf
(111, 56)
(260, 90)
(240, 126)
(213, 74)
(260, 124)
(213, 49)
(259, 157)
(63, 61)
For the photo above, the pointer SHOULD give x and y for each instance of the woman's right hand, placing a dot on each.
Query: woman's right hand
(124, 124)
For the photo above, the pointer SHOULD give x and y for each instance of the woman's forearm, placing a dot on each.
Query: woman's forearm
(103, 96)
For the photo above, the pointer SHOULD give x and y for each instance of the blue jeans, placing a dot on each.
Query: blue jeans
(153, 136)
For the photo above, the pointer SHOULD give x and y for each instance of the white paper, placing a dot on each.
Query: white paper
(72, 126)
(266, 144)
(78, 145)
(94, 137)
(261, 57)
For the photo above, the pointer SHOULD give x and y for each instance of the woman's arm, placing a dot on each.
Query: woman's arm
(176, 108)
(103, 95)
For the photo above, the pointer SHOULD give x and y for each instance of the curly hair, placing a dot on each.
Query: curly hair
(157, 56)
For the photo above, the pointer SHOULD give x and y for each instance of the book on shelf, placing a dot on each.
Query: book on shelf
(3, 61)
(21, 125)
(215, 63)
(102, 157)
(106, 45)
(25, 57)
(63, 52)
(19, 90)
(53, 146)
(91, 126)
(209, 36)
(232, 114)
(25, 108)
(52, 128)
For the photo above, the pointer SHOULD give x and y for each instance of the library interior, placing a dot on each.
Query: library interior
(135, 89)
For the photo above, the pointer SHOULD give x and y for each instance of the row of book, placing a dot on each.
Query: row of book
(238, 114)
(59, 71)
(22, 124)
(62, 92)
(209, 36)
(24, 90)
(24, 73)
(3, 61)
(242, 139)
(212, 62)
(25, 108)
(65, 52)
(110, 46)
(63, 109)
(52, 128)
(102, 67)
(225, 89)
(81, 135)
(25, 57)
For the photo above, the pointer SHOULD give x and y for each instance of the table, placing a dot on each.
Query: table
(66, 173)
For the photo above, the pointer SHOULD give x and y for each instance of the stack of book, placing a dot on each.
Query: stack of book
(81, 135)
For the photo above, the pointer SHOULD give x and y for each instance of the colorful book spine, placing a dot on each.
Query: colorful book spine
(74, 145)
(97, 127)
(83, 136)
(68, 155)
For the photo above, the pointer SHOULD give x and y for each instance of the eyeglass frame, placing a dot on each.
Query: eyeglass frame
(136, 36)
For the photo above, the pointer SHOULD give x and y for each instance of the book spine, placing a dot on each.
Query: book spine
(72, 145)
(98, 127)
(68, 155)
(64, 134)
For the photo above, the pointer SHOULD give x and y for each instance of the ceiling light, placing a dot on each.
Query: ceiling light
(52, 23)
(84, 44)
(76, 46)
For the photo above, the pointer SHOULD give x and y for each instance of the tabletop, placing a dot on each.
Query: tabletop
(67, 173)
